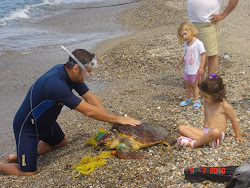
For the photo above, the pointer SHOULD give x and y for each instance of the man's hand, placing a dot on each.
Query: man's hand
(214, 18)
(128, 120)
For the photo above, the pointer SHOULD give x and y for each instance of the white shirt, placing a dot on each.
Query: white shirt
(192, 56)
(201, 10)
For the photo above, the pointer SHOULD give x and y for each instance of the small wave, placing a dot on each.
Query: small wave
(22, 13)
(18, 13)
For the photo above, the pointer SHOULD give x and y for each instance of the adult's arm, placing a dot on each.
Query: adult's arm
(93, 108)
(90, 98)
(218, 17)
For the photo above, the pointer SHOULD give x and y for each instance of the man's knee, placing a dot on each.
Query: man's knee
(61, 144)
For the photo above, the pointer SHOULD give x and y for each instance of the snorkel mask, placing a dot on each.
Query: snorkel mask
(92, 63)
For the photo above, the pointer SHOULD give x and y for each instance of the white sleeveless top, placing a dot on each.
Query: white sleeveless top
(201, 10)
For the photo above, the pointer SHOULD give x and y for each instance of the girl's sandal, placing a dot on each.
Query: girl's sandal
(185, 102)
(214, 144)
(183, 141)
(192, 143)
(197, 105)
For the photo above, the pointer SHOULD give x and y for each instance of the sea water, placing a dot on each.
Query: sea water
(17, 20)
(21, 34)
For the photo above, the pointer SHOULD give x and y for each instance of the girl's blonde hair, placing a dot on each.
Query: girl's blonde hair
(189, 27)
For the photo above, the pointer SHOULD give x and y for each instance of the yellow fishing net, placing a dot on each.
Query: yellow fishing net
(88, 164)
(93, 140)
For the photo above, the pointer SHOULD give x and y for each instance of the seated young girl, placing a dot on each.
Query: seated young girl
(217, 110)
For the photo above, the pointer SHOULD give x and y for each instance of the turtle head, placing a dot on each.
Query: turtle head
(106, 141)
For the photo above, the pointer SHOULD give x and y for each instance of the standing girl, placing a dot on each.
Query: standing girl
(194, 58)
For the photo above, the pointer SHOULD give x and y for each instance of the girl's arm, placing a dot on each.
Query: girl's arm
(230, 113)
(201, 70)
(180, 63)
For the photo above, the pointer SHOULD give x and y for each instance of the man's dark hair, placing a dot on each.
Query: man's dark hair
(215, 88)
(82, 55)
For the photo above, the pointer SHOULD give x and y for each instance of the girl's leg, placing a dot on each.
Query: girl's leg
(209, 137)
(198, 135)
(188, 89)
(190, 132)
(195, 89)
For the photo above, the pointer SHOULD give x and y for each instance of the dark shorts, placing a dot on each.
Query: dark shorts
(27, 137)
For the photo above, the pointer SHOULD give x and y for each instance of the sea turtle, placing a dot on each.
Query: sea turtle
(133, 138)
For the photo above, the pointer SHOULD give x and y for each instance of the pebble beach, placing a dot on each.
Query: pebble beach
(139, 79)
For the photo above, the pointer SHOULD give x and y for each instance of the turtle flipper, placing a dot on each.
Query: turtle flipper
(124, 153)
(168, 141)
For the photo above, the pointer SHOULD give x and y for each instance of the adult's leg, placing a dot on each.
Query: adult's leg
(212, 64)
(209, 34)
(13, 169)
(43, 147)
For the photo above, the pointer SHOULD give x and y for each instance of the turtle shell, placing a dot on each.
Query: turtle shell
(145, 133)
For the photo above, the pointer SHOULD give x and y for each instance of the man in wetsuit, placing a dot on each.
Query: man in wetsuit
(35, 128)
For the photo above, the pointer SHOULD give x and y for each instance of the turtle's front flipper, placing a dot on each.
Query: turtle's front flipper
(124, 153)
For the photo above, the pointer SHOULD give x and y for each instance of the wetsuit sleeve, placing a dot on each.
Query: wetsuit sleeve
(61, 93)
(81, 88)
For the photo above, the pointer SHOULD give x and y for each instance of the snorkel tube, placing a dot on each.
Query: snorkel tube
(86, 74)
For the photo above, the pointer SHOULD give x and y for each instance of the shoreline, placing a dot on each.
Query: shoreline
(143, 83)
(19, 71)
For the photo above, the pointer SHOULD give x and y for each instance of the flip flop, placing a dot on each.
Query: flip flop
(185, 102)
(183, 141)
(215, 143)
(198, 105)
(192, 143)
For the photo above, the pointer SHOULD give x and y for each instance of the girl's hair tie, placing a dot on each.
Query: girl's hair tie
(213, 76)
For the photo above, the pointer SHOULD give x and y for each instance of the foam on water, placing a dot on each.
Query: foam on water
(17, 36)
(12, 10)
(43, 26)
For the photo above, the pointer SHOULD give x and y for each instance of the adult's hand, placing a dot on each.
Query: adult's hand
(214, 18)
(129, 121)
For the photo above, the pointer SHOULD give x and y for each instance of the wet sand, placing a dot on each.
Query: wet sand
(20, 71)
